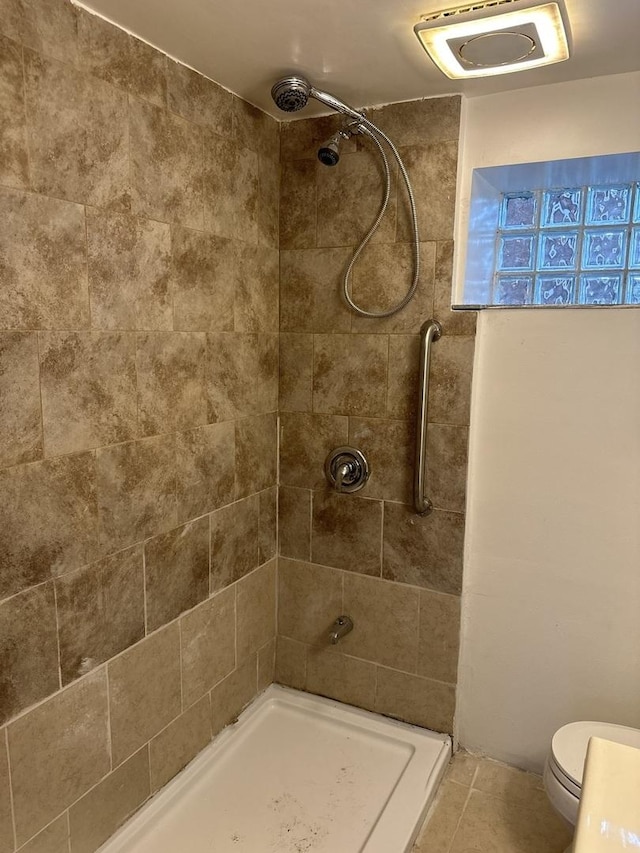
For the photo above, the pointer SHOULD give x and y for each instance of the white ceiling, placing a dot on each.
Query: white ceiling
(364, 51)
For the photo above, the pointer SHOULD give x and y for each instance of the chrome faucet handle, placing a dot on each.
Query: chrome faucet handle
(346, 469)
(341, 627)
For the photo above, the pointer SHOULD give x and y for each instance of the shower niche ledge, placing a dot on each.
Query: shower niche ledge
(296, 773)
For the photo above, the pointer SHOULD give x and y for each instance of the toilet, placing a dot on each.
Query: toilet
(565, 761)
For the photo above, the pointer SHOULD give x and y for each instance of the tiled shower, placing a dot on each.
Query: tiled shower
(164, 247)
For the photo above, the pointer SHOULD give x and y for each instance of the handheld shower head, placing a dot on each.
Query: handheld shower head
(291, 93)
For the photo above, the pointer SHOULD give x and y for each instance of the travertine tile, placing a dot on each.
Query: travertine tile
(390, 450)
(420, 122)
(94, 818)
(257, 290)
(416, 700)
(256, 610)
(301, 138)
(309, 600)
(14, 167)
(48, 520)
(53, 839)
(294, 530)
(298, 205)
(256, 129)
(268, 525)
(439, 830)
(385, 622)
(129, 260)
(6, 823)
(58, 751)
(241, 375)
(179, 743)
(510, 784)
(199, 99)
(42, 246)
(205, 277)
(231, 182)
(103, 50)
(28, 650)
(205, 469)
(447, 465)
(490, 823)
(100, 611)
(266, 393)
(439, 635)
(48, 26)
(268, 201)
(171, 381)
(305, 441)
(453, 322)
(91, 167)
(208, 645)
(337, 676)
(144, 691)
(346, 532)
(291, 663)
(266, 664)
(349, 196)
(310, 290)
(176, 571)
(148, 72)
(88, 386)
(462, 768)
(233, 694)
(350, 374)
(20, 417)
(256, 454)
(166, 166)
(450, 382)
(402, 394)
(296, 372)
(136, 490)
(432, 170)
(234, 541)
(424, 551)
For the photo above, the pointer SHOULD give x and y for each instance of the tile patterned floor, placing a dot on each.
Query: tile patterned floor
(486, 807)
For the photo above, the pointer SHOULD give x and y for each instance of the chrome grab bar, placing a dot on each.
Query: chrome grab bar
(430, 331)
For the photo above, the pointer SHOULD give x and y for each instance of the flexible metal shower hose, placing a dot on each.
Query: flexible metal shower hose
(368, 127)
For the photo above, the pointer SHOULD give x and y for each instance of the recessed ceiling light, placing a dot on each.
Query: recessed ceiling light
(496, 37)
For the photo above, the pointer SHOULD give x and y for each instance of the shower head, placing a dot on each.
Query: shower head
(292, 94)
(329, 153)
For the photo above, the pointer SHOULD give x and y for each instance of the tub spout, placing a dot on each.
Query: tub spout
(341, 628)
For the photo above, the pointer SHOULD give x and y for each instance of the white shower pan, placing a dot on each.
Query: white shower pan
(296, 774)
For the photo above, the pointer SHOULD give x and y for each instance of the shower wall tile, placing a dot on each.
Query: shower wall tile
(72, 754)
(147, 78)
(257, 296)
(296, 372)
(129, 266)
(432, 170)
(100, 611)
(179, 743)
(268, 202)
(291, 663)
(268, 525)
(450, 381)
(233, 694)
(390, 449)
(340, 677)
(91, 167)
(100, 812)
(310, 598)
(171, 381)
(88, 387)
(298, 215)
(14, 164)
(420, 122)
(199, 100)
(42, 245)
(439, 636)
(454, 322)
(144, 691)
(416, 700)
(6, 827)
(136, 490)
(425, 551)
(305, 441)
(205, 278)
(48, 520)
(20, 414)
(309, 293)
(300, 139)
(48, 26)
(176, 572)
(205, 469)
(447, 451)
(166, 166)
(103, 50)
(28, 649)
(231, 189)
(53, 839)
(294, 522)
(256, 610)
(256, 130)
(346, 532)
(266, 665)
(350, 374)
(256, 454)
(234, 541)
(208, 645)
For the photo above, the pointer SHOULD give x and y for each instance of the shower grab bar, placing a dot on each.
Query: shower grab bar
(430, 332)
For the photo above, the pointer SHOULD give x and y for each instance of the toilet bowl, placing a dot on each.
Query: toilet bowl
(565, 761)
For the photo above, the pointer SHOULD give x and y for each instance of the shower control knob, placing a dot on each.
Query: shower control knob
(346, 469)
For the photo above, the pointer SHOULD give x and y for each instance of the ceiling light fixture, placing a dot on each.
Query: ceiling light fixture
(495, 37)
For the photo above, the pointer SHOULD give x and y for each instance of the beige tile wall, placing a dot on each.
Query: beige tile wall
(345, 379)
(138, 439)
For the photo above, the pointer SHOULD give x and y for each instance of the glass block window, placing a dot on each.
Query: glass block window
(575, 245)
